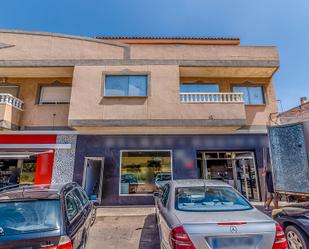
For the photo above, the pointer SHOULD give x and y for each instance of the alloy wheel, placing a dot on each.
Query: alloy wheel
(294, 241)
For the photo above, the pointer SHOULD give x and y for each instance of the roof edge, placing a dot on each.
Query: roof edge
(60, 35)
(174, 40)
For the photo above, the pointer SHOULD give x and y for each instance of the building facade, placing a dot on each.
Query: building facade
(296, 114)
(122, 115)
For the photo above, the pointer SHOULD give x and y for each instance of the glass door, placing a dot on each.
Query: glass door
(246, 178)
(235, 168)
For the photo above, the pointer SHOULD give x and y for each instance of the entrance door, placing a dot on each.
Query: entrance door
(93, 177)
(235, 168)
(246, 178)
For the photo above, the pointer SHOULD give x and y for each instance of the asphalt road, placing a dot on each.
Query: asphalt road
(129, 232)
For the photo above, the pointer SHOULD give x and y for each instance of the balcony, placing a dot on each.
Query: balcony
(211, 97)
(10, 111)
(216, 109)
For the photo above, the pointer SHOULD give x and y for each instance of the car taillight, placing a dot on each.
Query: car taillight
(280, 241)
(179, 239)
(64, 243)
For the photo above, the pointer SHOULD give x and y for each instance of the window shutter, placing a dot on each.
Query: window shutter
(54, 95)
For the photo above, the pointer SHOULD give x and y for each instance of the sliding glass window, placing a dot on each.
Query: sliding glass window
(253, 95)
(143, 171)
(126, 85)
(199, 88)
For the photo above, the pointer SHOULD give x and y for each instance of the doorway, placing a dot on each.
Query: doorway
(93, 177)
(235, 168)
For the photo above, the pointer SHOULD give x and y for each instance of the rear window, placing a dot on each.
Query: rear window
(29, 216)
(212, 199)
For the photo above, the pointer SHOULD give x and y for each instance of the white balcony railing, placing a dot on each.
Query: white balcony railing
(211, 98)
(8, 99)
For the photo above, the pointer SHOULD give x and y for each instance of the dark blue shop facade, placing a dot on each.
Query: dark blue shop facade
(125, 169)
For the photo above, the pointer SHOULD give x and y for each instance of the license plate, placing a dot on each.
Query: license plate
(232, 243)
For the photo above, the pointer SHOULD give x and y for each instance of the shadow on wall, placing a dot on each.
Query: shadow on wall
(123, 101)
(253, 111)
(150, 234)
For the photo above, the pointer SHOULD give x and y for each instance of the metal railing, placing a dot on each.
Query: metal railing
(211, 98)
(8, 99)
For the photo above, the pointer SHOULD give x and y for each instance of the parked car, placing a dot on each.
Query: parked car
(295, 221)
(162, 178)
(45, 216)
(198, 214)
(129, 178)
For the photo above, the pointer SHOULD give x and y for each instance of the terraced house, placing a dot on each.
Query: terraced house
(122, 115)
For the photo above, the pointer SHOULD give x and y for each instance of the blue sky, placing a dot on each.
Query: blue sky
(283, 23)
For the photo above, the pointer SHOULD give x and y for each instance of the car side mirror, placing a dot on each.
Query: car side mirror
(156, 194)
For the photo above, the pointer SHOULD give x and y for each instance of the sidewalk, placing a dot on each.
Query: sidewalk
(125, 211)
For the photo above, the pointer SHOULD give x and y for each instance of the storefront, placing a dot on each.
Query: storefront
(34, 159)
(135, 164)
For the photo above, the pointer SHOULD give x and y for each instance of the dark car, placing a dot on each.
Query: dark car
(45, 216)
(295, 221)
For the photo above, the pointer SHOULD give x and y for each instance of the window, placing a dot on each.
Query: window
(13, 90)
(211, 199)
(253, 95)
(55, 95)
(140, 168)
(31, 216)
(73, 205)
(80, 197)
(198, 88)
(126, 85)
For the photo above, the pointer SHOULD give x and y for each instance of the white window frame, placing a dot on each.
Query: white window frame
(121, 151)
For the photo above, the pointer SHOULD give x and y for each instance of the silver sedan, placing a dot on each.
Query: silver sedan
(198, 214)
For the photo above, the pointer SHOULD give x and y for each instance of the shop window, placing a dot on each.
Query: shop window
(14, 171)
(199, 88)
(28, 172)
(144, 171)
(126, 85)
(55, 95)
(253, 95)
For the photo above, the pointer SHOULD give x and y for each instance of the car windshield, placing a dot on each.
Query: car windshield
(29, 216)
(209, 199)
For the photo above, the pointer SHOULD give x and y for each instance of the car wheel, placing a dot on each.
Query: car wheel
(296, 238)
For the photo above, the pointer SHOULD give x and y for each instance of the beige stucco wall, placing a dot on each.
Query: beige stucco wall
(10, 115)
(37, 115)
(45, 47)
(162, 103)
(203, 52)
